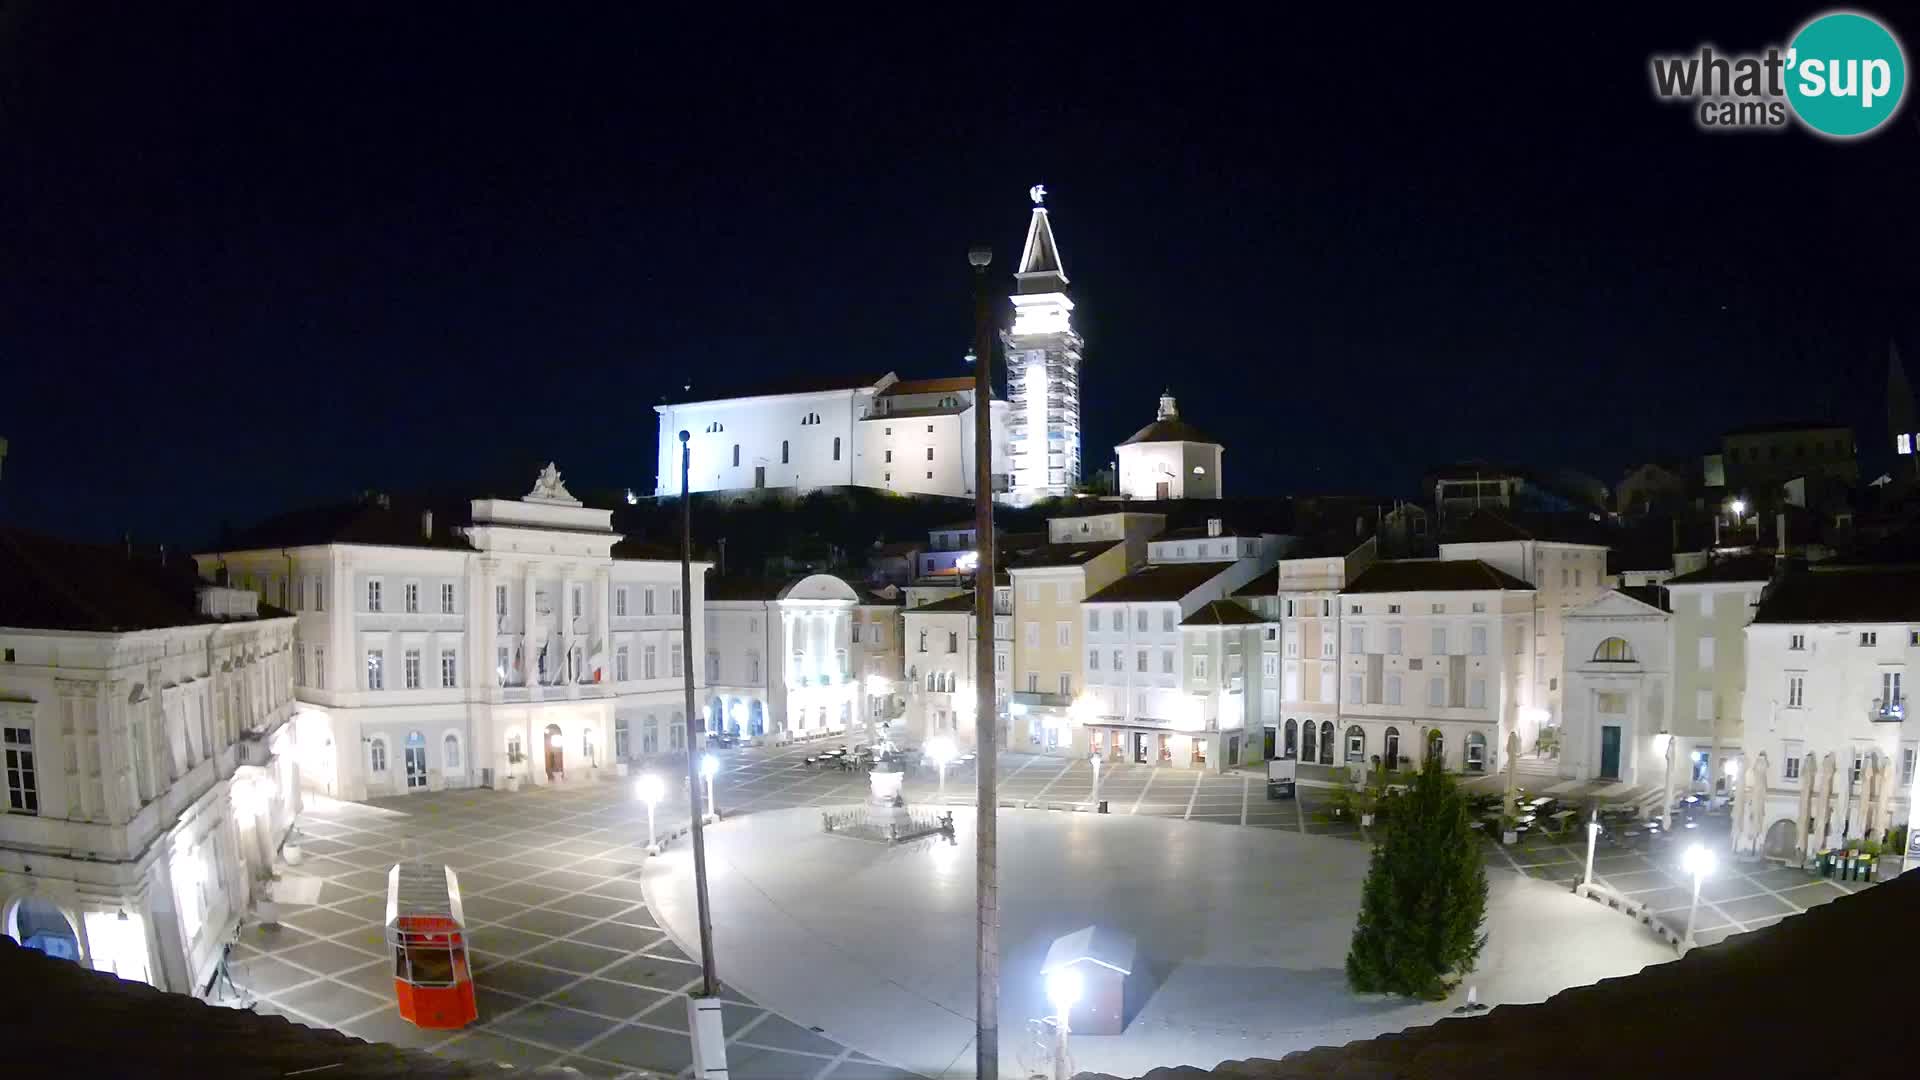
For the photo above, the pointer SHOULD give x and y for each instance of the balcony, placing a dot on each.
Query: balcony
(1035, 699)
(1885, 711)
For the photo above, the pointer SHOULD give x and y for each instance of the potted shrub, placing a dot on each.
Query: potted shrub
(1894, 856)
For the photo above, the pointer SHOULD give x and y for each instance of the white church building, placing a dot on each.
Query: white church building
(1170, 459)
(518, 647)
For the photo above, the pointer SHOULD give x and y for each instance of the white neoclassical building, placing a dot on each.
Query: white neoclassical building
(1170, 459)
(516, 645)
(150, 768)
(1829, 754)
(913, 437)
(800, 657)
(1619, 690)
(1434, 660)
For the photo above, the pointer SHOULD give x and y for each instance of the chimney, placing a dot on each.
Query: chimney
(426, 524)
(1213, 526)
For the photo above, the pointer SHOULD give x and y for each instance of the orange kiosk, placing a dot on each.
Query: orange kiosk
(432, 980)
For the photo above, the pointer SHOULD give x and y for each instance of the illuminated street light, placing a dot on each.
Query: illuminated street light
(1063, 989)
(650, 789)
(1593, 838)
(709, 767)
(941, 750)
(1697, 861)
(1094, 758)
(1663, 745)
(1739, 507)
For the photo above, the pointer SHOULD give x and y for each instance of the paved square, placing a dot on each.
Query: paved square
(572, 967)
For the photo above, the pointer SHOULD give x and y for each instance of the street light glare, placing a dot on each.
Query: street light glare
(941, 749)
(1738, 506)
(709, 766)
(1063, 988)
(650, 788)
(1697, 861)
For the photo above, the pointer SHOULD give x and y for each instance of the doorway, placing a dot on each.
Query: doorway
(416, 760)
(1160, 490)
(759, 476)
(1140, 747)
(1609, 751)
(1267, 745)
(556, 752)
(1233, 751)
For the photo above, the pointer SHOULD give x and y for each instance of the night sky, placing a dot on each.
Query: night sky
(257, 259)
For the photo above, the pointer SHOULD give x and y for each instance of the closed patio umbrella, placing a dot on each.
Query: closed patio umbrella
(1757, 800)
(1870, 794)
(1823, 811)
(1809, 779)
(1883, 809)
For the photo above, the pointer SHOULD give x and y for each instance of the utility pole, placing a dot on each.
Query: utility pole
(986, 716)
(703, 1012)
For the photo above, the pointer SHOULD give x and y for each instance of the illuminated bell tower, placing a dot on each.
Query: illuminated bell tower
(1043, 370)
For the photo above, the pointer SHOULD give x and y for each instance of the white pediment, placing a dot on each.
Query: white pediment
(1617, 605)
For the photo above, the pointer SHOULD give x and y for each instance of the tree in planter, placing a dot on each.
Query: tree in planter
(1425, 896)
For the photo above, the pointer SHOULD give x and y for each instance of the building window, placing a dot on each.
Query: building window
(1439, 640)
(1166, 661)
(923, 641)
(446, 598)
(646, 607)
(1792, 767)
(753, 668)
(319, 667)
(736, 455)
(1063, 634)
(1293, 644)
(1393, 641)
(1614, 651)
(953, 641)
(1393, 609)
(1356, 689)
(377, 754)
(1393, 689)
(929, 450)
(783, 452)
(620, 601)
(1436, 691)
(676, 658)
(889, 457)
(1478, 636)
(1869, 638)
(1889, 688)
(1066, 686)
(376, 669)
(1268, 665)
(622, 663)
(449, 668)
(1119, 620)
(1357, 640)
(23, 783)
(410, 664)
(1289, 609)
(1140, 661)
(650, 662)
(450, 752)
(1093, 659)
(500, 601)
(999, 663)
(1796, 691)
(1200, 667)
(1033, 682)
(1907, 754)
(673, 600)
(836, 448)
(576, 601)
(1140, 620)
(1031, 632)
(373, 594)
(411, 593)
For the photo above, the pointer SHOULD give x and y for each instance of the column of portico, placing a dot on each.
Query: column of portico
(602, 601)
(483, 621)
(567, 636)
(529, 618)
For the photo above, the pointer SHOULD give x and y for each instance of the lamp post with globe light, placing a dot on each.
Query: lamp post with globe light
(941, 751)
(1063, 990)
(650, 789)
(1697, 861)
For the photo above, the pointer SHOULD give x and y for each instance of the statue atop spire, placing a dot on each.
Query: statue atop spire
(1038, 193)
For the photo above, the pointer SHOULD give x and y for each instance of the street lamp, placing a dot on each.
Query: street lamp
(709, 767)
(1063, 989)
(650, 789)
(1739, 508)
(942, 750)
(1697, 861)
(1094, 759)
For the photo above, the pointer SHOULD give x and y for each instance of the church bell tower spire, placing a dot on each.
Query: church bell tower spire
(1043, 368)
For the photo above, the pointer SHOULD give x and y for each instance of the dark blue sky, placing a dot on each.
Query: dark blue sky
(262, 258)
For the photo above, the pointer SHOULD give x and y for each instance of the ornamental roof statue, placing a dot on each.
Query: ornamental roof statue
(549, 488)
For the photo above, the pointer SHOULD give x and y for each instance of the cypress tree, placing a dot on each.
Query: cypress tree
(1425, 896)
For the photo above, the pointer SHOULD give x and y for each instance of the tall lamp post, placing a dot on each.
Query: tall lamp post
(703, 1010)
(651, 789)
(1697, 861)
(709, 766)
(986, 989)
(1094, 759)
(1593, 839)
(1663, 745)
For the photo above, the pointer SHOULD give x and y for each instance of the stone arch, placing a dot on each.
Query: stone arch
(1782, 841)
(1349, 752)
(40, 924)
(1290, 747)
(1391, 754)
(1308, 738)
(1613, 650)
(1326, 742)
